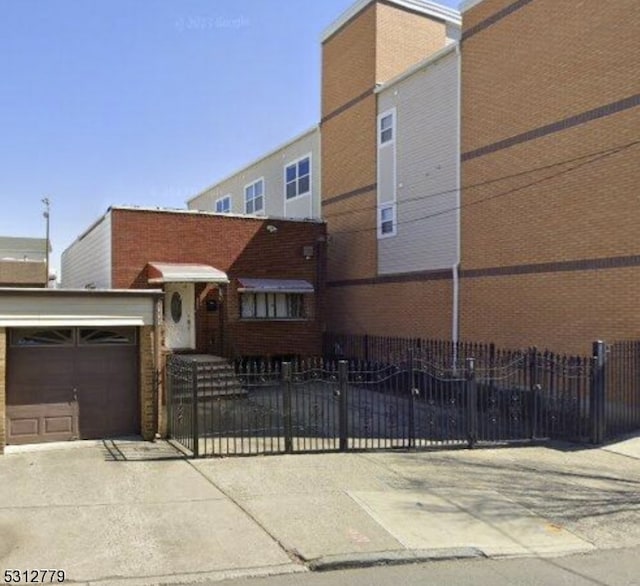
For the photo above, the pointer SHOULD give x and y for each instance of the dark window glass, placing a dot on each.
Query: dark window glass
(107, 337)
(303, 167)
(42, 337)
(303, 184)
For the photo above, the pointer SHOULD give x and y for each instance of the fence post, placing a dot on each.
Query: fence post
(533, 393)
(343, 374)
(194, 408)
(168, 389)
(286, 404)
(598, 393)
(412, 400)
(472, 402)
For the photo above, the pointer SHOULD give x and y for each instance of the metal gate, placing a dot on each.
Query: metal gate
(413, 402)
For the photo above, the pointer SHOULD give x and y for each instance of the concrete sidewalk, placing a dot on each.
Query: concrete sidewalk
(138, 513)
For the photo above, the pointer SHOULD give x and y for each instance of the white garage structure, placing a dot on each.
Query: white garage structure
(78, 364)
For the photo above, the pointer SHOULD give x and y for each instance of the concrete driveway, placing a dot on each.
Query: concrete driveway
(125, 510)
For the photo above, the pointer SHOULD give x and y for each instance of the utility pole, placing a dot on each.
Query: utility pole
(47, 207)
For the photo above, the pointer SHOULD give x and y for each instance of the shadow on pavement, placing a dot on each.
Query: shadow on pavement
(128, 450)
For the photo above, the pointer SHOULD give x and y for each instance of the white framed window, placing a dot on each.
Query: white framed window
(297, 177)
(387, 127)
(272, 306)
(387, 222)
(223, 205)
(254, 197)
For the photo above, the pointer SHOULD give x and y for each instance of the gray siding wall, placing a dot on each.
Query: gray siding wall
(426, 169)
(271, 167)
(87, 262)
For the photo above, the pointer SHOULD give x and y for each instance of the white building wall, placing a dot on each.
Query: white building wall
(272, 168)
(426, 169)
(87, 262)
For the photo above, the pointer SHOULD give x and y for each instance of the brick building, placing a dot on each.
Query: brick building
(234, 285)
(550, 151)
(386, 274)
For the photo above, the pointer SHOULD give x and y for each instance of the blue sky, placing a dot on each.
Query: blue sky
(146, 102)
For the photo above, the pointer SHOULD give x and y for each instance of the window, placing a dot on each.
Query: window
(223, 205)
(272, 306)
(176, 307)
(42, 337)
(111, 337)
(385, 128)
(254, 197)
(298, 178)
(387, 221)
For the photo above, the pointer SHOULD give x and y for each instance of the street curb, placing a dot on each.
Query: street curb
(391, 558)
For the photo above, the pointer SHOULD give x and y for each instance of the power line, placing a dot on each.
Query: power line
(594, 158)
(611, 150)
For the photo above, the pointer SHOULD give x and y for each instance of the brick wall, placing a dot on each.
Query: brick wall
(242, 247)
(404, 38)
(411, 309)
(562, 311)
(3, 388)
(550, 204)
(348, 62)
(148, 397)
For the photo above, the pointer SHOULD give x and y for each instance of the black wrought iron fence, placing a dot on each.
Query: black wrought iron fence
(182, 409)
(417, 398)
(622, 380)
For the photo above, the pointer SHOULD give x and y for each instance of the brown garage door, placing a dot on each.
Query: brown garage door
(70, 383)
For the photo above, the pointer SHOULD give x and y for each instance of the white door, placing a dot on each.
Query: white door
(179, 316)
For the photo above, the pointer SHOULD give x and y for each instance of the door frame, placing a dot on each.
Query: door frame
(187, 292)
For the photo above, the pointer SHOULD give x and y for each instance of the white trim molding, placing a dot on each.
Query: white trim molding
(468, 4)
(422, 6)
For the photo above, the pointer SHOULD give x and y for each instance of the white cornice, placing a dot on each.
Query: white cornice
(423, 6)
(468, 4)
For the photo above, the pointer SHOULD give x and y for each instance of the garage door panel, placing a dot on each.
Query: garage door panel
(43, 422)
(105, 376)
(45, 381)
(40, 375)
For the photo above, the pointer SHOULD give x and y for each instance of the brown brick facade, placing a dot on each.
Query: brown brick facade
(408, 309)
(565, 311)
(403, 38)
(148, 388)
(242, 247)
(550, 172)
(380, 42)
(3, 388)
